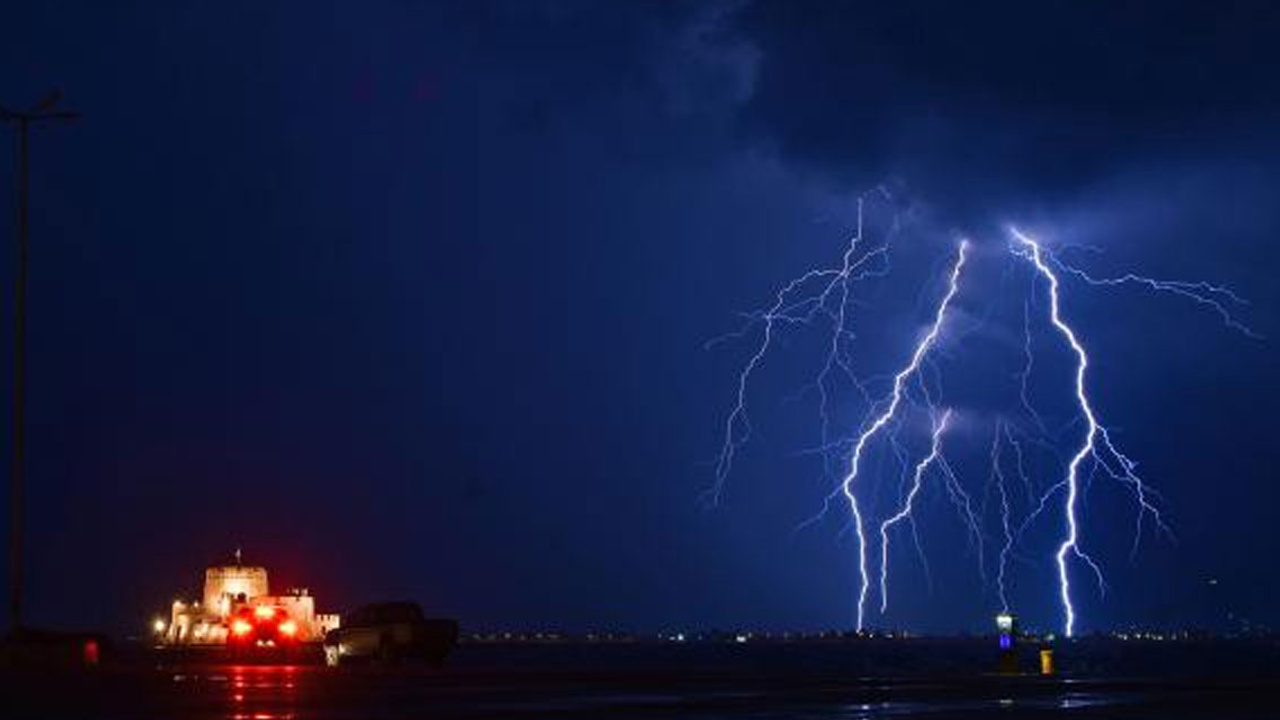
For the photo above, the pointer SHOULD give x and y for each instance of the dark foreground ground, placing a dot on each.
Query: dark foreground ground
(861, 680)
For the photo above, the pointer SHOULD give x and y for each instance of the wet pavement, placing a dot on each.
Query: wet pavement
(709, 682)
(296, 692)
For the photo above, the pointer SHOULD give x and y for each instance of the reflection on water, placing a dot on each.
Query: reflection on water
(263, 692)
(295, 692)
(253, 692)
(583, 703)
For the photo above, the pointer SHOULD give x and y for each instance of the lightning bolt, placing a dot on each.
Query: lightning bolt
(1216, 298)
(964, 506)
(1019, 463)
(935, 449)
(998, 479)
(895, 399)
(824, 295)
(1024, 375)
(800, 302)
(1096, 444)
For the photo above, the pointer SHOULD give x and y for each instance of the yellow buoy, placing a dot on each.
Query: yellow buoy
(1046, 662)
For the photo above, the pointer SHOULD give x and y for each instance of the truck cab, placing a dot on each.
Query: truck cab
(389, 633)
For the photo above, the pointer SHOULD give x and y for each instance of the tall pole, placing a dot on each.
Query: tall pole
(41, 111)
(19, 390)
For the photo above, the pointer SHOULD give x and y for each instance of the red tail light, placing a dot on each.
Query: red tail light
(288, 627)
(241, 627)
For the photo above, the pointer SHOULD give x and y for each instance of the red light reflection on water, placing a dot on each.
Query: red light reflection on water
(267, 692)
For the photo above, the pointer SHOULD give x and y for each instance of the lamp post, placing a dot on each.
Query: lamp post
(42, 112)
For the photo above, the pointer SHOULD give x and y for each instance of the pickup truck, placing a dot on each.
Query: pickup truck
(388, 633)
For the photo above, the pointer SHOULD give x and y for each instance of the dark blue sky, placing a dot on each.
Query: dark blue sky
(409, 299)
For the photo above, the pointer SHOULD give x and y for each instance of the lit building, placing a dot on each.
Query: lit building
(230, 588)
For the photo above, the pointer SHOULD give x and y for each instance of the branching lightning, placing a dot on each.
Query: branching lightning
(1214, 297)
(1096, 444)
(998, 479)
(799, 302)
(899, 390)
(935, 449)
(1071, 544)
(1022, 444)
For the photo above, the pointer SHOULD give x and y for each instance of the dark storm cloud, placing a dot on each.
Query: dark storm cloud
(975, 96)
(645, 84)
(974, 108)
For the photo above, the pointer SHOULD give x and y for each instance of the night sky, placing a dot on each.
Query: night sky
(410, 299)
